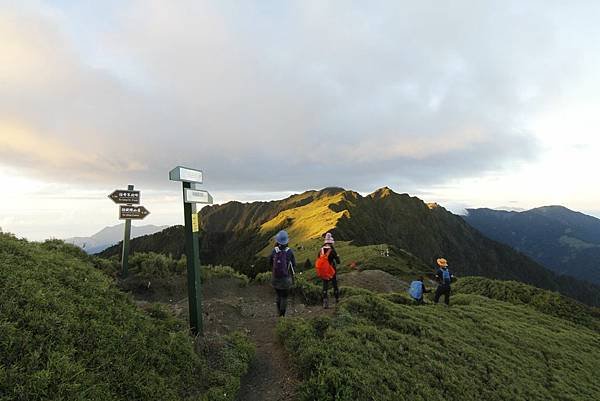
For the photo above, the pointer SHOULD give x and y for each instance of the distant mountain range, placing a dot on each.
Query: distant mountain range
(109, 236)
(384, 230)
(560, 239)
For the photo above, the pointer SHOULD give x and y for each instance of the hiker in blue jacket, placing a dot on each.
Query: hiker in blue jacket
(283, 265)
(444, 278)
(418, 290)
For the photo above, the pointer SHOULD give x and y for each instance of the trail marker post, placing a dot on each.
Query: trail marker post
(126, 198)
(190, 179)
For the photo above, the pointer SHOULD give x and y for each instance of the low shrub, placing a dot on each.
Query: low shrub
(478, 349)
(228, 360)
(109, 266)
(400, 298)
(263, 278)
(68, 333)
(57, 245)
(551, 303)
(307, 290)
(211, 272)
(153, 265)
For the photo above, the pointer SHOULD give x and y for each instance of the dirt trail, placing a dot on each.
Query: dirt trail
(270, 376)
(229, 307)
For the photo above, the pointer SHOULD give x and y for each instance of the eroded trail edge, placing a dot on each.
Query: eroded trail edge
(229, 307)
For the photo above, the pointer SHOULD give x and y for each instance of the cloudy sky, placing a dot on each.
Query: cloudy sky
(478, 103)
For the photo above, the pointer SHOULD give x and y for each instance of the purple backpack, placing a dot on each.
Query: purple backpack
(280, 263)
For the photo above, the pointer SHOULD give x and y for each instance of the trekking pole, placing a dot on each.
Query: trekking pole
(293, 297)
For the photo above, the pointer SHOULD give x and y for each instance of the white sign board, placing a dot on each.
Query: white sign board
(196, 196)
(185, 174)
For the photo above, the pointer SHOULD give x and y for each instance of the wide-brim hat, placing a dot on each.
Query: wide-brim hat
(282, 237)
(442, 262)
(329, 239)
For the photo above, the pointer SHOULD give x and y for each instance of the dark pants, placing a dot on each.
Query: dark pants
(443, 289)
(282, 296)
(336, 291)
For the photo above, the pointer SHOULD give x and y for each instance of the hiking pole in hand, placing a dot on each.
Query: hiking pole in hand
(291, 268)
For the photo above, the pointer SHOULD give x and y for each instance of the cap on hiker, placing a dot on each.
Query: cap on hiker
(282, 237)
(442, 262)
(329, 238)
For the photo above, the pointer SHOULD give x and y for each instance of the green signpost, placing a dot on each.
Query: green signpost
(190, 178)
(127, 198)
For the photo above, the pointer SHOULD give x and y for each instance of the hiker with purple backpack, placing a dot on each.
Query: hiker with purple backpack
(284, 263)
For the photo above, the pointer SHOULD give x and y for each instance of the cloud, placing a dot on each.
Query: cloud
(271, 96)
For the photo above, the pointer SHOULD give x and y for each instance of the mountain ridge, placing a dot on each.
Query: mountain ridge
(111, 235)
(563, 240)
(239, 234)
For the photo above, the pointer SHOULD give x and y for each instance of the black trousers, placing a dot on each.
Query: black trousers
(282, 296)
(336, 291)
(443, 289)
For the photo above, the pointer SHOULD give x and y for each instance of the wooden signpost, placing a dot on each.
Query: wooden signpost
(126, 198)
(192, 196)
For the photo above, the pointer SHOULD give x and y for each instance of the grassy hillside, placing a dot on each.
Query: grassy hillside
(547, 302)
(67, 333)
(478, 349)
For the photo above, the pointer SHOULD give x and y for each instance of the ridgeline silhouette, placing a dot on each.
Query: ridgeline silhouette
(413, 232)
(560, 239)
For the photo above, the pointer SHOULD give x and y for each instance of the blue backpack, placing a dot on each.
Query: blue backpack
(446, 277)
(280, 263)
(416, 289)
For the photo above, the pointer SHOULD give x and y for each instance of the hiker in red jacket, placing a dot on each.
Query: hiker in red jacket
(334, 260)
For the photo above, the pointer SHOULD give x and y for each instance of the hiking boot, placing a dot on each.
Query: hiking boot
(326, 303)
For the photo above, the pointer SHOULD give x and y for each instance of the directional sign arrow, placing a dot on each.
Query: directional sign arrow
(125, 196)
(185, 174)
(191, 195)
(133, 212)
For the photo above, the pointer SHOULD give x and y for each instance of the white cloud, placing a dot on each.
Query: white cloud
(273, 97)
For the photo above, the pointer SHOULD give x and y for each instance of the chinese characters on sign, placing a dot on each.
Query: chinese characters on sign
(133, 212)
(125, 196)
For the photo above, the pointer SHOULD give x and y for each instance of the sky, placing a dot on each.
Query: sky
(468, 104)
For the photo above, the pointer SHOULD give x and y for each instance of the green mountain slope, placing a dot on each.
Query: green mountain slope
(547, 302)
(366, 228)
(478, 349)
(564, 241)
(67, 333)
(170, 241)
(430, 231)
